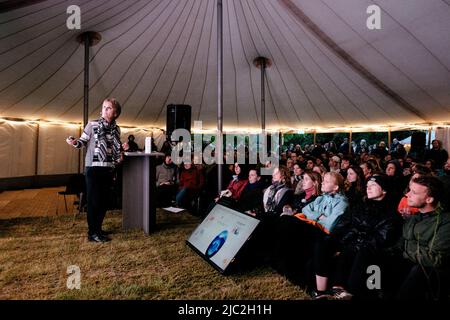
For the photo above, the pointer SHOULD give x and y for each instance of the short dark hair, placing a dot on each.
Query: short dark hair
(116, 106)
(422, 170)
(434, 187)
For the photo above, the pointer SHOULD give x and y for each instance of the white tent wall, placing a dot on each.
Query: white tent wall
(19, 142)
(17, 149)
(443, 134)
(140, 134)
(55, 156)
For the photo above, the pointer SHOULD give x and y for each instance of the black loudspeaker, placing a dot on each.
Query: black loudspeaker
(178, 117)
(418, 144)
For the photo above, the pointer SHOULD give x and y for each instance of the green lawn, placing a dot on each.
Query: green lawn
(35, 254)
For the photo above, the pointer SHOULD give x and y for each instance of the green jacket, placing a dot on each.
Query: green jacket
(426, 239)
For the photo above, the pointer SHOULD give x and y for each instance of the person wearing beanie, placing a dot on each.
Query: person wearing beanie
(361, 233)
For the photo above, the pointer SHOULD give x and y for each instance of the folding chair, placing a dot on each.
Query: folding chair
(75, 186)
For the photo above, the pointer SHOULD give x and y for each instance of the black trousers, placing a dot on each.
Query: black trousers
(165, 194)
(351, 271)
(405, 280)
(293, 249)
(99, 182)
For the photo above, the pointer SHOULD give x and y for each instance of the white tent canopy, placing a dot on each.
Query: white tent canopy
(329, 70)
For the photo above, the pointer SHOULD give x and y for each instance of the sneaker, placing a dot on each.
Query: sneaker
(341, 294)
(321, 295)
(97, 238)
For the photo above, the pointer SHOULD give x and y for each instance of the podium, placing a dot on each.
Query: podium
(139, 190)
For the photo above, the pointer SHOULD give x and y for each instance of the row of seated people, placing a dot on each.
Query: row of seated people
(326, 241)
(326, 236)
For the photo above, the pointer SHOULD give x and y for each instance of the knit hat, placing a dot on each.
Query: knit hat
(381, 180)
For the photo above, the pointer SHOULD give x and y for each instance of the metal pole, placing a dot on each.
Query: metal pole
(429, 138)
(350, 138)
(389, 140)
(88, 39)
(80, 131)
(36, 156)
(263, 96)
(219, 144)
(86, 79)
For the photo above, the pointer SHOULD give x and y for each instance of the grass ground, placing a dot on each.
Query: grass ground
(35, 253)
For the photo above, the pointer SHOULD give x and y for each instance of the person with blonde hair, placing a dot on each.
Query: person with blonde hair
(297, 235)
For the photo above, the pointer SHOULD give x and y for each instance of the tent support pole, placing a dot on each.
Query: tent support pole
(80, 131)
(219, 143)
(350, 138)
(389, 140)
(36, 156)
(314, 138)
(429, 137)
(86, 80)
(263, 96)
(88, 39)
(263, 63)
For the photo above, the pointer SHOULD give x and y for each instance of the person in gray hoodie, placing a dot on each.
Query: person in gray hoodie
(166, 182)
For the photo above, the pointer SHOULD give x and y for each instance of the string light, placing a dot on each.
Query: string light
(255, 130)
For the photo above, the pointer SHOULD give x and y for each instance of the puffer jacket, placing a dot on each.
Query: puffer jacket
(368, 224)
(330, 206)
(426, 239)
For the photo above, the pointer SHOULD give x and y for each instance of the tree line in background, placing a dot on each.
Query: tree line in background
(370, 137)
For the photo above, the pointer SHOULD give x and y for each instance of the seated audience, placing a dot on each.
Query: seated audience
(311, 185)
(355, 243)
(296, 235)
(417, 267)
(166, 182)
(190, 183)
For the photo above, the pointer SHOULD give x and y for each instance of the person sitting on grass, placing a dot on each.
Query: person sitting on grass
(311, 184)
(190, 183)
(368, 226)
(166, 182)
(417, 267)
(252, 196)
(275, 197)
(234, 189)
(403, 208)
(296, 235)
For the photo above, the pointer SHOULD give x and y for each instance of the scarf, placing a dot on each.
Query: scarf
(273, 189)
(102, 140)
(309, 192)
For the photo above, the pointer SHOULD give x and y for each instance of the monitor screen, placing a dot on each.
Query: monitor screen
(221, 235)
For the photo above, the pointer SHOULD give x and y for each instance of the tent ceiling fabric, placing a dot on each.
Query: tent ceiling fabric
(154, 53)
